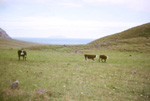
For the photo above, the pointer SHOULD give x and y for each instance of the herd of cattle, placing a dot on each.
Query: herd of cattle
(102, 58)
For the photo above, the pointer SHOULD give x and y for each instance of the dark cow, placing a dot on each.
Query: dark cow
(89, 56)
(22, 53)
(103, 57)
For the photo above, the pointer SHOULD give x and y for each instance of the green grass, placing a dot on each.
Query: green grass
(66, 77)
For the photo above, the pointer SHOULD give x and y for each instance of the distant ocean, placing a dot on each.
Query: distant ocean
(57, 41)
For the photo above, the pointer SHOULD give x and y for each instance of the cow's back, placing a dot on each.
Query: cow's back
(89, 56)
(103, 56)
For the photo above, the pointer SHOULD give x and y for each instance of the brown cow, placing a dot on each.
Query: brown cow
(103, 57)
(89, 56)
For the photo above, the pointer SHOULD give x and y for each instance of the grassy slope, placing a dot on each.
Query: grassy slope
(134, 39)
(13, 44)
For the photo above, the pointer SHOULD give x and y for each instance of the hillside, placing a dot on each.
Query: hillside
(6, 42)
(14, 44)
(3, 34)
(134, 39)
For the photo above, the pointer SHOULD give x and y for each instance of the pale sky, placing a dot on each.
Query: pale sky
(71, 18)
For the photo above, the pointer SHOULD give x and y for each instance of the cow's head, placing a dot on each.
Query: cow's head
(107, 57)
(22, 53)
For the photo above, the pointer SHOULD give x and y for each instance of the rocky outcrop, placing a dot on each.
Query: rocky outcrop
(3, 34)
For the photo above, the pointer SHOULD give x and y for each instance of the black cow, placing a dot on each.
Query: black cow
(22, 53)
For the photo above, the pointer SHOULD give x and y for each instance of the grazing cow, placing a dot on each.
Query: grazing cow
(103, 57)
(89, 56)
(22, 53)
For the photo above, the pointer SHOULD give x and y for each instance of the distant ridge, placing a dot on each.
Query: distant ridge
(6, 42)
(15, 44)
(133, 39)
(3, 34)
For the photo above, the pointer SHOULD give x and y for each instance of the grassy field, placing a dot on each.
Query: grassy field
(57, 73)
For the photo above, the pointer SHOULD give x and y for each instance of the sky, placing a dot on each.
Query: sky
(71, 18)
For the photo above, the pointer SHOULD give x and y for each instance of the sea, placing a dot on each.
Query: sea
(57, 41)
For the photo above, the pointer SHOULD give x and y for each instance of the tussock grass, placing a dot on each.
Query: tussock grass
(64, 76)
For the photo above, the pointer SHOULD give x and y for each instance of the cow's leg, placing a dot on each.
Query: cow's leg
(19, 57)
(93, 59)
(86, 58)
(23, 57)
